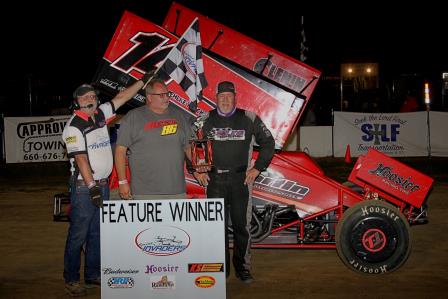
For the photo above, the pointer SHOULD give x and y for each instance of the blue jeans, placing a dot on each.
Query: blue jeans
(84, 229)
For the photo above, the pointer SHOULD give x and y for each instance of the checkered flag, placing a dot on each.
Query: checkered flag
(184, 64)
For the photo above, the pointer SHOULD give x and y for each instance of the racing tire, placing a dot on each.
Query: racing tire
(373, 237)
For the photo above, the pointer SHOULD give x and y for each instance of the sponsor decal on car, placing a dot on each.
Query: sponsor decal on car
(394, 179)
(281, 186)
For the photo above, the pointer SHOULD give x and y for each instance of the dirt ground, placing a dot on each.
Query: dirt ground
(32, 245)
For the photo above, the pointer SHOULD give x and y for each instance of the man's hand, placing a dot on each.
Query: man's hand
(96, 196)
(202, 178)
(125, 191)
(251, 175)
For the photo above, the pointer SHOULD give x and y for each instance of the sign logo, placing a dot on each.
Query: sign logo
(380, 132)
(150, 269)
(162, 241)
(110, 271)
(70, 139)
(163, 283)
(395, 180)
(205, 282)
(120, 282)
(374, 240)
(205, 267)
(224, 134)
(49, 127)
(281, 186)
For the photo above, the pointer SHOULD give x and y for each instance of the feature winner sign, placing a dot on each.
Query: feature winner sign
(35, 139)
(163, 249)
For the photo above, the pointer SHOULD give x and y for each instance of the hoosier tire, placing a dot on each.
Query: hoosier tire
(373, 237)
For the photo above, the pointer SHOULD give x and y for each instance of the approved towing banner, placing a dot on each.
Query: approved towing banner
(35, 139)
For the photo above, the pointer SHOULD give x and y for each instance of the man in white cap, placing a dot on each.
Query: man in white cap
(88, 146)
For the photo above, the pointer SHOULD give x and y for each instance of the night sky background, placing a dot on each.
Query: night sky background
(59, 45)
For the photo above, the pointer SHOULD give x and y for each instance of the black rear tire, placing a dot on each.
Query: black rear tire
(373, 237)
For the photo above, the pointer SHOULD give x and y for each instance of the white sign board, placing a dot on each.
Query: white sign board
(438, 136)
(394, 134)
(163, 249)
(35, 139)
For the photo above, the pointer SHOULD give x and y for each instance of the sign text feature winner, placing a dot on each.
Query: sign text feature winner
(121, 212)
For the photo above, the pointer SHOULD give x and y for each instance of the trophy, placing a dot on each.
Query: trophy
(201, 147)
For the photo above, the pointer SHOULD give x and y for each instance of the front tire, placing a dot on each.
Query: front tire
(373, 237)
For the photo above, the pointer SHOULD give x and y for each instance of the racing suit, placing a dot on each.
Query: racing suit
(233, 140)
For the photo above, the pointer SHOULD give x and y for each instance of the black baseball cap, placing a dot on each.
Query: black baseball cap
(225, 86)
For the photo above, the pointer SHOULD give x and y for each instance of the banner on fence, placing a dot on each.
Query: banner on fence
(438, 136)
(395, 134)
(35, 139)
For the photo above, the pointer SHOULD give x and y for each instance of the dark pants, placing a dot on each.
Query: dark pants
(231, 187)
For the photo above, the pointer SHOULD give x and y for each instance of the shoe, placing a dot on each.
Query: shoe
(74, 289)
(93, 283)
(244, 276)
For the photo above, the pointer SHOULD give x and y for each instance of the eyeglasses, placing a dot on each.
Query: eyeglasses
(89, 96)
(163, 94)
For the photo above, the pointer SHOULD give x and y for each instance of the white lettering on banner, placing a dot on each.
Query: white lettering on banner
(281, 186)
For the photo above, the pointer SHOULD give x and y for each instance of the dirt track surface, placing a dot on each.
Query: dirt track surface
(32, 246)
